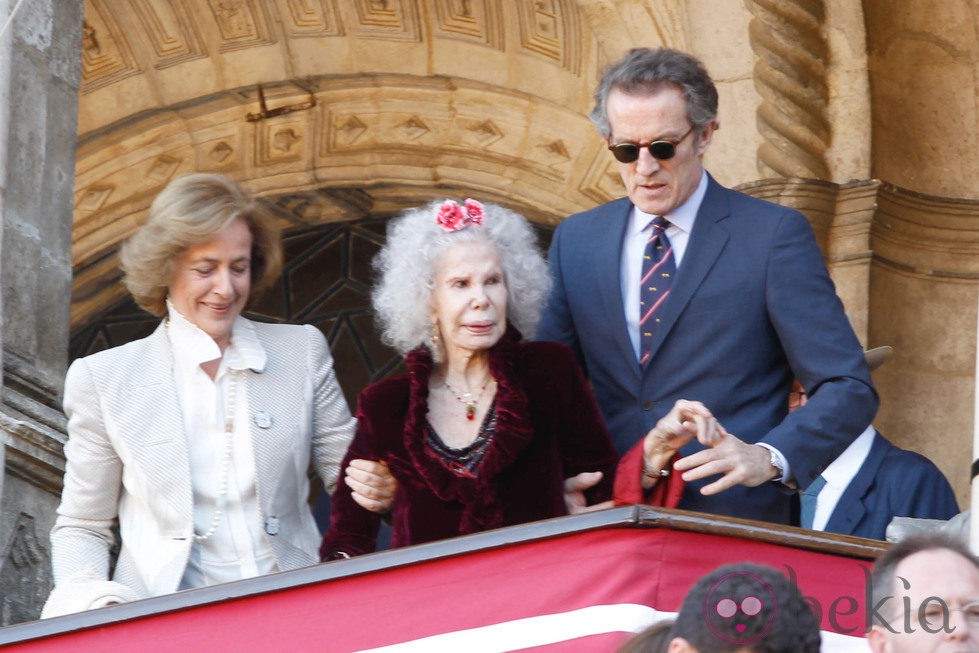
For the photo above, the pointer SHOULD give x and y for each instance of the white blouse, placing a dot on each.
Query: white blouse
(237, 547)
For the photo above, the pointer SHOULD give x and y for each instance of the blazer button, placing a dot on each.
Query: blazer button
(647, 405)
(272, 525)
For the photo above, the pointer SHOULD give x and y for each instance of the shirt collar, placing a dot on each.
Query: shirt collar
(841, 471)
(193, 345)
(682, 217)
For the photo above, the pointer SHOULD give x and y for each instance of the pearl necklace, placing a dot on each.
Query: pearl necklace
(466, 398)
(229, 428)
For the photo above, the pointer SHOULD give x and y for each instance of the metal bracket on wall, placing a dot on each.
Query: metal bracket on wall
(264, 112)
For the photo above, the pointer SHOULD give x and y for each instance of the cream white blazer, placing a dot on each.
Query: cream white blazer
(127, 457)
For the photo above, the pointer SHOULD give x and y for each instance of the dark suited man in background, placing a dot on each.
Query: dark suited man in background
(723, 300)
(873, 481)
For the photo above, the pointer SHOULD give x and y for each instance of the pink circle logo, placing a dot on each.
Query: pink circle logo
(740, 608)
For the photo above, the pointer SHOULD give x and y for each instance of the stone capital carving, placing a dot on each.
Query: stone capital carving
(33, 452)
(926, 236)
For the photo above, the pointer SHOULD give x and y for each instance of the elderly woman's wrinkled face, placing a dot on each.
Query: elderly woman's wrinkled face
(211, 281)
(469, 298)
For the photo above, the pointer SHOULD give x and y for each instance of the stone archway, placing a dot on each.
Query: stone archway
(372, 106)
(417, 98)
(369, 147)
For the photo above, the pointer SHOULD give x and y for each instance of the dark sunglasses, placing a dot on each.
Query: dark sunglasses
(662, 149)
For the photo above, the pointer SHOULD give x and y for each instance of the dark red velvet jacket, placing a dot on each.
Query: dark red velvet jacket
(548, 429)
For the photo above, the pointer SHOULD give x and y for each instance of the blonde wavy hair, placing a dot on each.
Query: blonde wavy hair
(189, 211)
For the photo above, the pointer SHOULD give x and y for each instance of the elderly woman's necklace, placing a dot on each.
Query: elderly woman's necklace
(466, 398)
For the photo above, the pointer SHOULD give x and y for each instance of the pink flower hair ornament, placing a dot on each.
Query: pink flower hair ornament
(452, 217)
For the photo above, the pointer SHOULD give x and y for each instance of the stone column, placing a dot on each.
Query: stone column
(5, 49)
(40, 74)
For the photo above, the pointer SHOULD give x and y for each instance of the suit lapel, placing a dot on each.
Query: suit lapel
(851, 508)
(606, 247)
(159, 442)
(707, 241)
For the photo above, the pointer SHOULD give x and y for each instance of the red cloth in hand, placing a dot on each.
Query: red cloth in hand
(628, 488)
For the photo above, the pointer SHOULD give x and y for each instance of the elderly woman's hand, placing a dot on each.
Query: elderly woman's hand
(574, 493)
(372, 484)
(685, 421)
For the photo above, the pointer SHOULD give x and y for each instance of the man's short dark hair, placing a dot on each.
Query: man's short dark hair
(882, 575)
(747, 607)
(647, 71)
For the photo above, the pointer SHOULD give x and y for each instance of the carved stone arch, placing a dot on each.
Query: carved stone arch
(398, 100)
(370, 146)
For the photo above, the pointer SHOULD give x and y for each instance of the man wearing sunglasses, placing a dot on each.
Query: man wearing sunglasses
(724, 300)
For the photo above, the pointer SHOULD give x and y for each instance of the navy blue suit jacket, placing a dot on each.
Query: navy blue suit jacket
(892, 482)
(751, 306)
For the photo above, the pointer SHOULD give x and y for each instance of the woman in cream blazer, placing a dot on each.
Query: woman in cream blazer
(135, 414)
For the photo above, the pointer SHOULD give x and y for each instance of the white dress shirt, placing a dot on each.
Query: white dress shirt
(838, 475)
(237, 548)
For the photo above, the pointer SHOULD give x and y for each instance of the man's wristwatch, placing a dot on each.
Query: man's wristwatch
(776, 462)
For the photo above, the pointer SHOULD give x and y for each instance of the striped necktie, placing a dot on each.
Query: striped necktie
(658, 268)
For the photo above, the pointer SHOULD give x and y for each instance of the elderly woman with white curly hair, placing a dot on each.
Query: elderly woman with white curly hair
(485, 427)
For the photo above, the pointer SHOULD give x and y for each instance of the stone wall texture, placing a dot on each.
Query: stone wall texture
(39, 84)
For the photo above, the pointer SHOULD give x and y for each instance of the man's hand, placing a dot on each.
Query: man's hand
(738, 462)
(574, 493)
(685, 421)
(372, 484)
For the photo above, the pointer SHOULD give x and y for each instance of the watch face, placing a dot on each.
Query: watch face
(777, 464)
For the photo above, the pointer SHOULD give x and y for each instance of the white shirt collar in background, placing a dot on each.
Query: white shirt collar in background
(838, 475)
